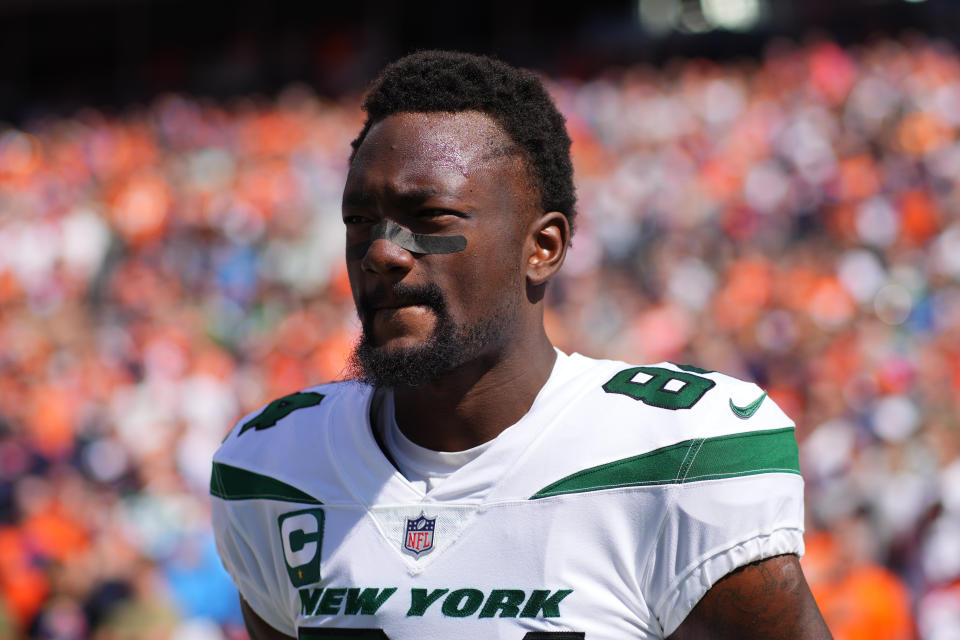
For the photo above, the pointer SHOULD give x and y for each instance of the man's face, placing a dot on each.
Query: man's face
(441, 174)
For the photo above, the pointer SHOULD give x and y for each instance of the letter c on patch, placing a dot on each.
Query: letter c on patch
(300, 538)
(301, 535)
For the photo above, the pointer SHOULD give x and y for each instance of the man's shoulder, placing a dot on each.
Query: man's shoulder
(266, 440)
(274, 419)
(661, 424)
(684, 401)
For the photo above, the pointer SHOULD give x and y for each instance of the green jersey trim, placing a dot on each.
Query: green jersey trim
(741, 454)
(234, 483)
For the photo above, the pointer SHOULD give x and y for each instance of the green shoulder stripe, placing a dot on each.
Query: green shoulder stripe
(740, 454)
(234, 483)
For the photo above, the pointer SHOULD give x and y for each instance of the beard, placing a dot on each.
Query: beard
(448, 347)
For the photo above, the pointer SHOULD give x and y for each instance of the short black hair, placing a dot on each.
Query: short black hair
(451, 81)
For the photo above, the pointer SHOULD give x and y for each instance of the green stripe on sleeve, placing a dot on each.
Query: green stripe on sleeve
(740, 454)
(234, 483)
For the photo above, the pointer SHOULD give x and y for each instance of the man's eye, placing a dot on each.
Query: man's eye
(436, 213)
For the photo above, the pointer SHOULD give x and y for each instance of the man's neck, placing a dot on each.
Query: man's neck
(476, 402)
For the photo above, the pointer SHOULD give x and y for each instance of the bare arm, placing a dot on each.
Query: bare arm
(256, 627)
(766, 599)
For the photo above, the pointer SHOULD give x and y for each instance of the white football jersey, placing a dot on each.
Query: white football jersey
(605, 513)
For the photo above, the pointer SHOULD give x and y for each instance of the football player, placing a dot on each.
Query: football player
(472, 481)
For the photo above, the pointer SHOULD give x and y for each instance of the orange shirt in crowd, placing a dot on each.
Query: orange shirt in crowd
(860, 601)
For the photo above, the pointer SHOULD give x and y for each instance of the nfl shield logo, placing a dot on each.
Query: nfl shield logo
(419, 535)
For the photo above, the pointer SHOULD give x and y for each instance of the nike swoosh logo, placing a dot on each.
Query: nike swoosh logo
(748, 410)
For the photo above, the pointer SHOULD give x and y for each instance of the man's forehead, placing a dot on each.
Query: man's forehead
(459, 140)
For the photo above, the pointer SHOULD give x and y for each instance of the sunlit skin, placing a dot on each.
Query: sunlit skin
(449, 174)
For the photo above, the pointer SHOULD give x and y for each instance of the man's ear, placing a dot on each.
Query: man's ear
(547, 239)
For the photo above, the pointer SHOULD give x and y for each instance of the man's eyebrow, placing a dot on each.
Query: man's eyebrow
(358, 199)
(362, 198)
(417, 195)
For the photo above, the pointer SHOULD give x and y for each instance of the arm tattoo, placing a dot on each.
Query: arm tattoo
(752, 599)
(766, 599)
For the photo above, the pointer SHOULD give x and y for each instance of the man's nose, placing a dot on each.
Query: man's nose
(383, 257)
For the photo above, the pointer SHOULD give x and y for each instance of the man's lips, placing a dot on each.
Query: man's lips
(398, 305)
(396, 310)
(403, 317)
(401, 300)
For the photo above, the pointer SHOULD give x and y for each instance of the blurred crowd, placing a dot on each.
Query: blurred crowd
(791, 220)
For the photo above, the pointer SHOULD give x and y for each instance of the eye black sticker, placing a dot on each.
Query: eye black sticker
(403, 237)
